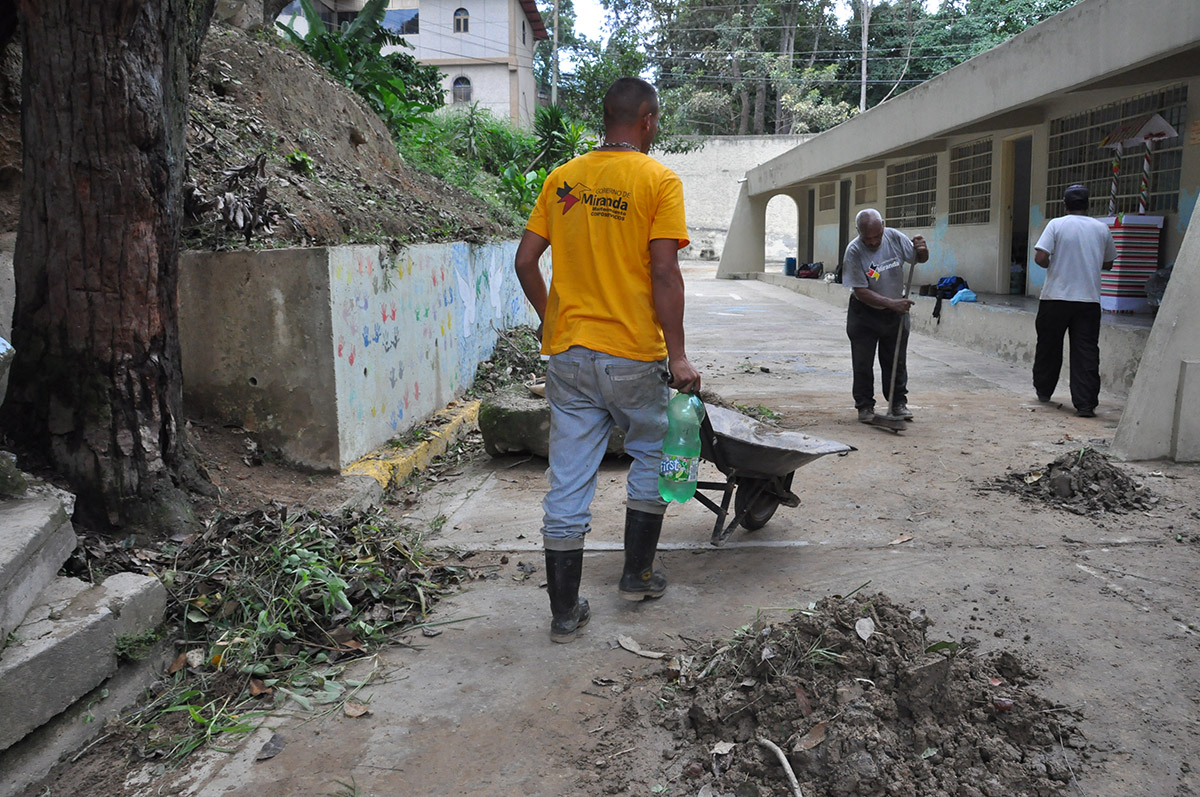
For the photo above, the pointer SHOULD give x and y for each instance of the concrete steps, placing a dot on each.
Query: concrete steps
(59, 663)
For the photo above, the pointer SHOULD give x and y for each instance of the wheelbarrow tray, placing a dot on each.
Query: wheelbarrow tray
(740, 445)
(758, 462)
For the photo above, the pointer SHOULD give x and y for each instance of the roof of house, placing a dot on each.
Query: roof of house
(535, 19)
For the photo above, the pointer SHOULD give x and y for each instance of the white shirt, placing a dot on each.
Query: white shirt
(1078, 245)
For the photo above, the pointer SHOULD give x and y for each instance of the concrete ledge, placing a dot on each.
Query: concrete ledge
(387, 465)
(62, 652)
(1004, 332)
(32, 758)
(37, 538)
(67, 646)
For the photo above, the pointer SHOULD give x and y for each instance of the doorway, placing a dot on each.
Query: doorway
(843, 219)
(1015, 257)
(811, 228)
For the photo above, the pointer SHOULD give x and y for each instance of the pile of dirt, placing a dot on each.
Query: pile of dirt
(859, 702)
(1083, 481)
(280, 154)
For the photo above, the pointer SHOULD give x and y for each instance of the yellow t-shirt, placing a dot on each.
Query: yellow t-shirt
(599, 212)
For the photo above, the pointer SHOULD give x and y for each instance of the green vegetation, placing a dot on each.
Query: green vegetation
(273, 605)
(398, 88)
(135, 647)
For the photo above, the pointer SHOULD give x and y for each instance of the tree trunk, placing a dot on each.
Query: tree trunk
(787, 49)
(744, 96)
(96, 385)
(866, 6)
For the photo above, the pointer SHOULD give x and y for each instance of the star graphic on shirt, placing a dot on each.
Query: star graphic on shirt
(565, 197)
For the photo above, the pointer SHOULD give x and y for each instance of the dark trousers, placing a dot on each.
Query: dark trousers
(872, 329)
(1082, 321)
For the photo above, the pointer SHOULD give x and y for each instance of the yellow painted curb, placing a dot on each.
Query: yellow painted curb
(387, 466)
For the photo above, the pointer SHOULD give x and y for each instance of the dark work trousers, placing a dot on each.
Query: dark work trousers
(1082, 320)
(871, 329)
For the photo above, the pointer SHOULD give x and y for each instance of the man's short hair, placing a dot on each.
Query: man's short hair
(867, 216)
(1076, 197)
(624, 100)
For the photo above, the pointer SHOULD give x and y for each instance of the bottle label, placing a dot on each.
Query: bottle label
(679, 469)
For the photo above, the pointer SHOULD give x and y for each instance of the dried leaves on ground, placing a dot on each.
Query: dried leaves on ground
(861, 701)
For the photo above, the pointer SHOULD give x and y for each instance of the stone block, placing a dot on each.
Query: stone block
(513, 420)
(62, 652)
(137, 602)
(35, 539)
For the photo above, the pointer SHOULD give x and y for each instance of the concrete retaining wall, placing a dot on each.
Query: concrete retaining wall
(1006, 333)
(711, 176)
(327, 353)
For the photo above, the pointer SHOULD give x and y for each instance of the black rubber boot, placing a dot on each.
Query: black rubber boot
(639, 580)
(569, 611)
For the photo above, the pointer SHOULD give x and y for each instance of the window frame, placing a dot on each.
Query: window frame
(1075, 156)
(970, 200)
(458, 96)
(911, 193)
(462, 20)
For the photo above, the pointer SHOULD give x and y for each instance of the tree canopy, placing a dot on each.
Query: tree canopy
(726, 67)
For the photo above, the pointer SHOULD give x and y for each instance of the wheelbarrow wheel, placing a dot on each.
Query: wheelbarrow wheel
(755, 503)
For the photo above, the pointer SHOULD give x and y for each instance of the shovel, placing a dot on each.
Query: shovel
(892, 420)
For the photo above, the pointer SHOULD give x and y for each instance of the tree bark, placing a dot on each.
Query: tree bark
(865, 6)
(96, 385)
(743, 97)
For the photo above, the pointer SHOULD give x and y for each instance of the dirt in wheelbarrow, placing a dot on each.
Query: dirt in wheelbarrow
(855, 696)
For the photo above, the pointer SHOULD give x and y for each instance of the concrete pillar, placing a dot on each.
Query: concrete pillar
(747, 235)
(1161, 417)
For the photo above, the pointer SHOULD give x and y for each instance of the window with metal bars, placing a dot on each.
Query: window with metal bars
(911, 192)
(971, 182)
(826, 196)
(1076, 155)
(865, 188)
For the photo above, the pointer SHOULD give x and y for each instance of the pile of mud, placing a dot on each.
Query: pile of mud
(860, 702)
(1083, 481)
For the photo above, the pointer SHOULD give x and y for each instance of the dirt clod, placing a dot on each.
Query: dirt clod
(880, 716)
(1082, 481)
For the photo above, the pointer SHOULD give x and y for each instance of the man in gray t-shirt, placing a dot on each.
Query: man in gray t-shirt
(873, 267)
(1073, 249)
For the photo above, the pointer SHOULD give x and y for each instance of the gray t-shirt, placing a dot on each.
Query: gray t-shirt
(1078, 245)
(881, 270)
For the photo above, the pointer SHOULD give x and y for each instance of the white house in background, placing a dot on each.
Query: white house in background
(484, 48)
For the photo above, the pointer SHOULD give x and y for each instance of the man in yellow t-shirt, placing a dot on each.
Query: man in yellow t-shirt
(612, 323)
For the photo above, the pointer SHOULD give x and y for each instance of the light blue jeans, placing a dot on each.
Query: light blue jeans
(590, 392)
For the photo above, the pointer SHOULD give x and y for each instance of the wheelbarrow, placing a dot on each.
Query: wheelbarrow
(758, 464)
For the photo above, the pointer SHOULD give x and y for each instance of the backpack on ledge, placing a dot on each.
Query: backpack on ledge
(948, 286)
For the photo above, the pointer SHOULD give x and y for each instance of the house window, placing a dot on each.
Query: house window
(971, 183)
(462, 89)
(1076, 156)
(402, 21)
(825, 196)
(522, 31)
(911, 192)
(865, 188)
(462, 21)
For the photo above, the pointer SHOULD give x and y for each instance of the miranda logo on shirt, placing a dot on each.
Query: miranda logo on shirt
(876, 271)
(565, 197)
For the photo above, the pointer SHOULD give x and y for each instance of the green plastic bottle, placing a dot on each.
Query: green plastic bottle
(680, 465)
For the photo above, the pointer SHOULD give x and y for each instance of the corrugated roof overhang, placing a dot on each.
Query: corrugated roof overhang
(535, 19)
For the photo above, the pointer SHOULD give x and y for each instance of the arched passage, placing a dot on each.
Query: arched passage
(782, 230)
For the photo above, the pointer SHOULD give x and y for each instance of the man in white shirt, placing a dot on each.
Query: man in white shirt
(1073, 249)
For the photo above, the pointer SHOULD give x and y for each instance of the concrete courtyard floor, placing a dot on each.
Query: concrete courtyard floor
(1103, 606)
